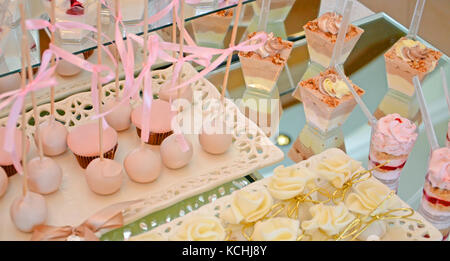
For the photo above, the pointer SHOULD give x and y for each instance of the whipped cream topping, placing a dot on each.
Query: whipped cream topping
(330, 22)
(439, 168)
(277, 229)
(330, 219)
(410, 50)
(394, 135)
(272, 47)
(333, 86)
(200, 228)
(367, 197)
(289, 182)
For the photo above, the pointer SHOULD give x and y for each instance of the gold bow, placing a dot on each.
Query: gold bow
(357, 226)
(340, 193)
(109, 217)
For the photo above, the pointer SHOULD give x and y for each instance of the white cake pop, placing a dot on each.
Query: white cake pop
(10, 82)
(28, 211)
(104, 177)
(143, 165)
(120, 118)
(166, 94)
(171, 154)
(64, 68)
(53, 135)
(3, 182)
(44, 176)
(215, 139)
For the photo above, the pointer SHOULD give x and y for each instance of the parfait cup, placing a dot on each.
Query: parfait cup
(393, 138)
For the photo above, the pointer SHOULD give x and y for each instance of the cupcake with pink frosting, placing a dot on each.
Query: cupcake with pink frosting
(393, 139)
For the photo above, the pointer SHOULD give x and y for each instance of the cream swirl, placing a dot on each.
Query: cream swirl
(272, 47)
(330, 219)
(394, 135)
(439, 168)
(289, 182)
(410, 50)
(247, 206)
(200, 228)
(333, 86)
(336, 167)
(368, 196)
(276, 229)
(330, 22)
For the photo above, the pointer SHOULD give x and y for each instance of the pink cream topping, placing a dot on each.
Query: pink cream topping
(329, 22)
(439, 168)
(394, 135)
(273, 46)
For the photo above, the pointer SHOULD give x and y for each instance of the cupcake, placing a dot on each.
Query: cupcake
(160, 120)
(83, 141)
(6, 161)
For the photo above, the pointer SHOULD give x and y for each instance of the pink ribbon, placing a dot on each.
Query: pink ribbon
(42, 80)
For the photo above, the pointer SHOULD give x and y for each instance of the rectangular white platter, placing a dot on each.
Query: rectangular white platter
(397, 229)
(74, 202)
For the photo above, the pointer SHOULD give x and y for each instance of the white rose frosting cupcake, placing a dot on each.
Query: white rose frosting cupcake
(277, 229)
(286, 183)
(200, 228)
(248, 206)
(329, 219)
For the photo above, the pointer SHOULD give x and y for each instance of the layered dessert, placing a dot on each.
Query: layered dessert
(327, 100)
(435, 205)
(321, 35)
(261, 68)
(310, 142)
(392, 140)
(82, 11)
(210, 30)
(279, 9)
(408, 58)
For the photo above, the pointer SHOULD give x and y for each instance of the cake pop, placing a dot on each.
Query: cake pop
(3, 182)
(120, 118)
(53, 135)
(65, 68)
(9, 82)
(28, 211)
(139, 172)
(172, 154)
(44, 175)
(217, 140)
(104, 176)
(166, 94)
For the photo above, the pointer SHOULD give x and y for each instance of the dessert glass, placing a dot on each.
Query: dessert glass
(210, 30)
(393, 138)
(83, 11)
(435, 204)
(397, 102)
(405, 59)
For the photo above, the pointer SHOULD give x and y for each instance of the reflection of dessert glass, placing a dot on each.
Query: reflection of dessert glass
(435, 204)
(262, 67)
(210, 30)
(392, 140)
(327, 100)
(321, 35)
(83, 11)
(408, 58)
(396, 102)
(279, 9)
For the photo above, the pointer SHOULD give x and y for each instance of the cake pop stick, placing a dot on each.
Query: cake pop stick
(145, 51)
(23, 122)
(99, 84)
(116, 54)
(232, 43)
(415, 21)
(174, 27)
(425, 115)
(444, 85)
(358, 99)
(341, 35)
(52, 63)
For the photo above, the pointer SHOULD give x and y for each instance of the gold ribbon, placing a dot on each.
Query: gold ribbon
(340, 193)
(357, 226)
(109, 217)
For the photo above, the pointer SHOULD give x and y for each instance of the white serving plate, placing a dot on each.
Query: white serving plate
(74, 202)
(398, 229)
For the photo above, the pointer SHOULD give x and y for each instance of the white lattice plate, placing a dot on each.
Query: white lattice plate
(398, 229)
(74, 202)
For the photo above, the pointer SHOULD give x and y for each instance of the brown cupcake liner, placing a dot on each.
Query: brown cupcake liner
(10, 170)
(155, 138)
(84, 161)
